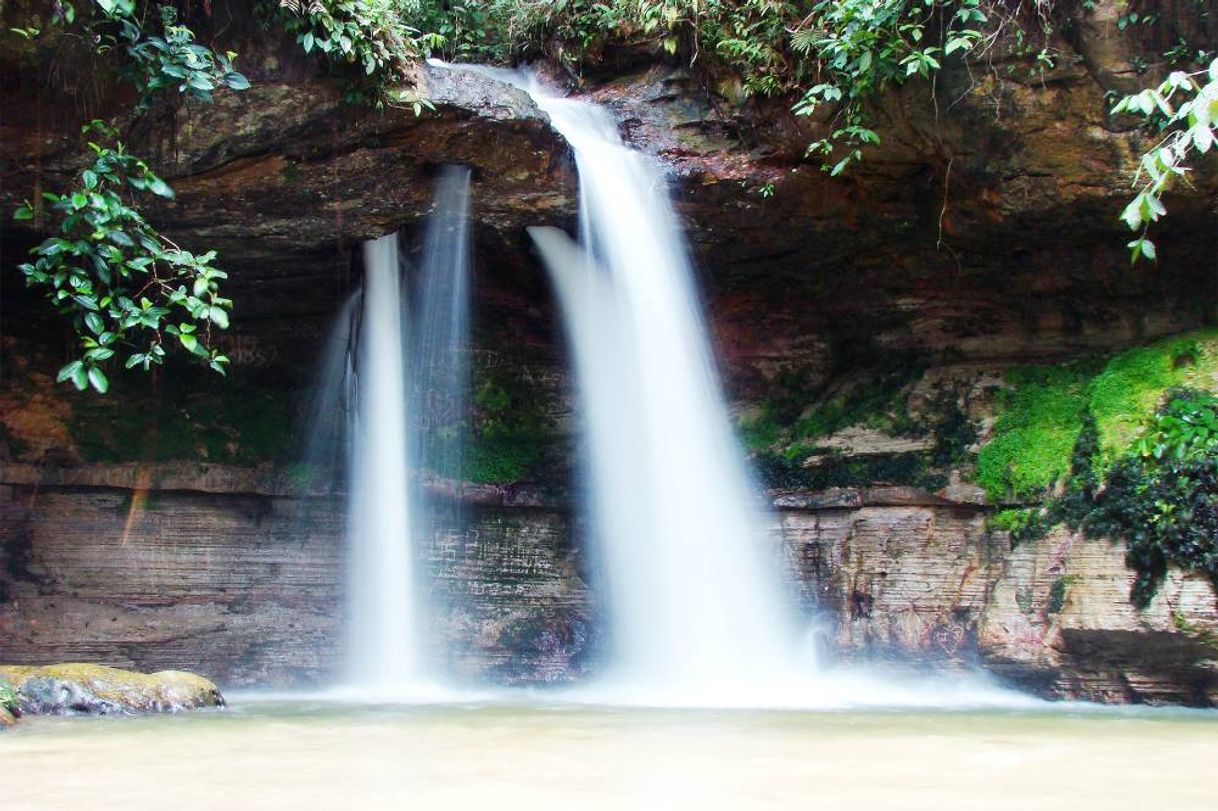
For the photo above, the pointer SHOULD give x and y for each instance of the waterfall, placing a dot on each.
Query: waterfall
(439, 370)
(383, 652)
(697, 608)
(402, 417)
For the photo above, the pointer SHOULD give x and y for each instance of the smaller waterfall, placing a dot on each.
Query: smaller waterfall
(382, 615)
(439, 369)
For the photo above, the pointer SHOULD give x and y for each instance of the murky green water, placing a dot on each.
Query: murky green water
(302, 755)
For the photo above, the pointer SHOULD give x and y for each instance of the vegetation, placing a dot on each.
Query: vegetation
(836, 470)
(1162, 498)
(1185, 107)
(1142, 461)
(508, 435)
(126, 289)
(1039, 419)
(188, 417)
(1042, 414)
(121, 285)
(9, 700)
(833, 53)
(368, 40)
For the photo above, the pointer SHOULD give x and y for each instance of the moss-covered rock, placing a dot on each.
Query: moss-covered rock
(70, 689)
(1041, 414)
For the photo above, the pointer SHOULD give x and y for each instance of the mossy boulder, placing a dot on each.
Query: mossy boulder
(71, 689)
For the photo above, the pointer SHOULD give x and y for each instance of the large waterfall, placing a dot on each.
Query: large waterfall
(697, 608)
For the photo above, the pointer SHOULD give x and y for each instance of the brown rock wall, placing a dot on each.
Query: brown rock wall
(247, 590)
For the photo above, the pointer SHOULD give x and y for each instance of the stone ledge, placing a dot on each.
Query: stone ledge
(277, 481)
(836, 498)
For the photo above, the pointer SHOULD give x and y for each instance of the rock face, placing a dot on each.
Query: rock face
(248, 589)
(85, 689)
(163, 526)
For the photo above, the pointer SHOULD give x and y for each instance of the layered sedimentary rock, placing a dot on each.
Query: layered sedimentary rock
(246, 589)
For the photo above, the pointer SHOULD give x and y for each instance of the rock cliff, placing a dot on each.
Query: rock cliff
(164, 526)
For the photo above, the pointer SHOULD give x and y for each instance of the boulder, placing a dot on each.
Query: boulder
(85, 689)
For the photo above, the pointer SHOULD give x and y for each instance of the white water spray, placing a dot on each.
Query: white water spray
(383, 653)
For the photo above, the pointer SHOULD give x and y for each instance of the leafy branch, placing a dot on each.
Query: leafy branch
(1185, 104)
(370, 37)
(865, 46)
(158, 62)
(123, 286)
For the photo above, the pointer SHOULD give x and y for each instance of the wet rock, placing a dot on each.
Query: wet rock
(85, 689)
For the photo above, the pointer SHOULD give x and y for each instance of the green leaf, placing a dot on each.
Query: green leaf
(189, 341)
(23, 212)
(95, 323)
(99, 354)
(98, 378)
(68, 371)
(236, 81)
(159, 187)
(1132, 215)
(200, 81)
(218, 317)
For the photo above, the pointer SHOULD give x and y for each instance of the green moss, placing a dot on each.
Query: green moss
(1007, 520)
(878, 402)
(1057, 593)
(511, 431)
(779, 471)
(1039, 419)
(1132, 385)
(235, 421)
(1041, 414)
(502, 458)
(760, 430)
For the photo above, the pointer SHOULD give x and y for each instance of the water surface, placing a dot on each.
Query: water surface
(325, 755)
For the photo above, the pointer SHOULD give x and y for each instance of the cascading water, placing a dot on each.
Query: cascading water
(383, 653)
(404, 414)
(439, 368)
(698, 613)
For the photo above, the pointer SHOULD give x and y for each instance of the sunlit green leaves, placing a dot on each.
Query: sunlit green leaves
(368, 39)
(1185, 105)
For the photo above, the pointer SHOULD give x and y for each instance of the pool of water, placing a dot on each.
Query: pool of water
(306, 754)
